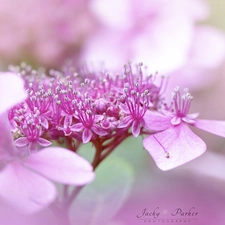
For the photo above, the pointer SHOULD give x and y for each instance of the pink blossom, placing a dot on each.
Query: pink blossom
(176, 144)
(45, 32)
(11, 90)
(138, 97)
(157, 32)
(162, 33)
(32, 137)
(88, 126)
(86, 107)
(83, 105)
(24, 178)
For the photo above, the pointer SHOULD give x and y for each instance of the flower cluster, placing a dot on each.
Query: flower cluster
(82, 105)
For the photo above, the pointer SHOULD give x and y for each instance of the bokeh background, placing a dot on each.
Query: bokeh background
(183, 39)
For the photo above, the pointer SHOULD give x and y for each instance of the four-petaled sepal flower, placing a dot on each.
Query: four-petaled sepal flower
(174, 143)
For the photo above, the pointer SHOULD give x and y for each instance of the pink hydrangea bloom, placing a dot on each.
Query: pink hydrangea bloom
(44, 32)
(11, 87)
(82, 105)
(24, 178)
(176, 144)
(88, 107)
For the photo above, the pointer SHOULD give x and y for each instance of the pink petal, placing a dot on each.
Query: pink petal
(11, 87)
(174, 146)
(125, 122)
(61, 165)
(176, 120)
(167, 113)
(87, 135)
(21, 142)
(188, 120)
(77, 127)
(155, 121)
(99, 130)
(44, 142)
(44, 122)
(192, 115)
(24, 189)
(6, 140)
(136, 128)
(98, 118)
(212, 126)
(67, 121)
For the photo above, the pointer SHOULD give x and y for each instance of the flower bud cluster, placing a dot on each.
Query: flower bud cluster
(82, 105)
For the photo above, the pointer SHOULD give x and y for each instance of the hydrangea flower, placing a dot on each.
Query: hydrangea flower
(25, 178)
(176, 144)
(81, 105)
(84, 106)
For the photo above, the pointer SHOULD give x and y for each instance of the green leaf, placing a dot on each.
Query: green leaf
(99, 201)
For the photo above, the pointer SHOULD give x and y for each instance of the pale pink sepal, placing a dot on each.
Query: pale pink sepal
(99, 130)
(87, 135)
(11, 90)
(6, 140)
(174, 146)
(21, 142)
(44, 142)
(176, 120)
(24, 189)
(61, 165)
(77, 127)
(136, 128)
(216, 127)
(125, 122)
(155, 121)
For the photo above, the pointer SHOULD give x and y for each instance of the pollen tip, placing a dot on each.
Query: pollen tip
(167, 155)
